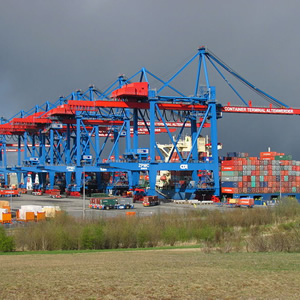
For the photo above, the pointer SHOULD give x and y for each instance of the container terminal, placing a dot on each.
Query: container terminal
(147, 136)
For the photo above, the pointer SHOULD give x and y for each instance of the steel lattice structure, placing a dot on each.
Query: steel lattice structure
(103, 131)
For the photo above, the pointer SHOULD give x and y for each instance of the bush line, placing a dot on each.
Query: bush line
(255, 230)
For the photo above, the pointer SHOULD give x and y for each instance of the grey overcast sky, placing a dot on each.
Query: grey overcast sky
(51, 48)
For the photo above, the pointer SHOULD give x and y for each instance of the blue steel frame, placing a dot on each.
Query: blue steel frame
(63, 151)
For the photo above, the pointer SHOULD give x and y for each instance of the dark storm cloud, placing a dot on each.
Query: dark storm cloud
(51, 48)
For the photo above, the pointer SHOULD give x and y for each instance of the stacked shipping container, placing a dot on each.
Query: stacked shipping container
(272, 172)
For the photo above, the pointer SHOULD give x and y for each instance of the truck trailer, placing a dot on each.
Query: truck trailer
(111, 203)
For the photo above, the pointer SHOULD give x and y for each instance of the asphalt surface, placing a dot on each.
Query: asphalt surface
(77, 207)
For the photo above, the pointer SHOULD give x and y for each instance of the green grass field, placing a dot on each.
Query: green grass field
(151, 274)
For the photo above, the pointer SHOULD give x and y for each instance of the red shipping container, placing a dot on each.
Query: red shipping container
(267, 154)
(228, 168)
(227, 163)
(267, 158)
(228, 190)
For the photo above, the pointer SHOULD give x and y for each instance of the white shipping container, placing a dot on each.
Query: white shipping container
(2, 210)
(29, 208)
(223, 178)
(50, 211)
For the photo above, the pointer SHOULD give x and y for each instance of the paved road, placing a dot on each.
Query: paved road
(74, 206)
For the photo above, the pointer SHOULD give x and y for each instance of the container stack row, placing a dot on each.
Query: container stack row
(272, 172)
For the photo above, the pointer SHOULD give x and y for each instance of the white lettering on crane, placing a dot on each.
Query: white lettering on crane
(258, 110)
(144, 166)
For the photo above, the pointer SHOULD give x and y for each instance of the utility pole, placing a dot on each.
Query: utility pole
(280, 182)
(11, 200)
(83, 192)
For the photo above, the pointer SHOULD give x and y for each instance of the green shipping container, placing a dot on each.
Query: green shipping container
(228, 173)
(283, 157)
(279, 157)
(109, 202)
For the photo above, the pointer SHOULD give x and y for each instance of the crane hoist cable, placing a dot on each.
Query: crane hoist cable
(147, 114)
(165, 115)
(176, 67)
(172, 115)
(241, 79)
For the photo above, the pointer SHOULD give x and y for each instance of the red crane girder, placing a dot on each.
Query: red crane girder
(40, 119)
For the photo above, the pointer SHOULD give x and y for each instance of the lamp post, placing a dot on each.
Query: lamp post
(83, 192)
(280, 181)
(11, 199)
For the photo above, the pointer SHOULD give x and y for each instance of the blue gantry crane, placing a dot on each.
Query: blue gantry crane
(116, 133)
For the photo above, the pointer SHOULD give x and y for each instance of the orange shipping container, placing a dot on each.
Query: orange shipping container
(130, 213)
(29, 216)
(6, 218)
(41, 216)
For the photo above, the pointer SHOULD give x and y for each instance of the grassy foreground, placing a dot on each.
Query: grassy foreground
(151, 274)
